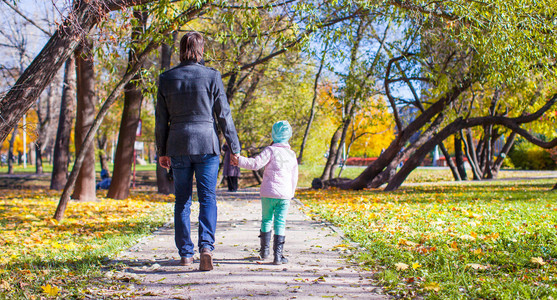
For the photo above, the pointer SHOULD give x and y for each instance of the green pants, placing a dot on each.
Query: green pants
(277, 208)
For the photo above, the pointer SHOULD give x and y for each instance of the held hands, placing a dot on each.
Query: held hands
(234, 159)
(164, 161)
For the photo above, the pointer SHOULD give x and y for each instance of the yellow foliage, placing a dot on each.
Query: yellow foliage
(372, 126)
(538, 260)
(477, 266)
(401, 266)
(375, 128)
(31, 225)
(51, 291)
(432, 286)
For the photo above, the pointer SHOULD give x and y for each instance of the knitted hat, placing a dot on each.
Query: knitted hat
(281, 132)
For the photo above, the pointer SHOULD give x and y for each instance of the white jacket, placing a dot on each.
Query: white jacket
(281, 170)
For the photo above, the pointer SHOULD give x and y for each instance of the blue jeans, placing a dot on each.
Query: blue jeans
(206, 168)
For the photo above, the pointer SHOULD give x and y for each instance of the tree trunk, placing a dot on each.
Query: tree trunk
(415, 160)
(38, 158)
(313, 103)
(130, 73)
(352, 140)
(23, 94)
(390, 171)
(249, 93)
(333, 149)
(11, 156)
(450, 162)
(102, 141)
(471, 153)
(62, 145)
(458, 158)
(488, 152)
(165, 185)
(501, 157)
(85, 184)
(345, 125)
(460, 124)
(404, 135)
(258, 175)
(123, 161)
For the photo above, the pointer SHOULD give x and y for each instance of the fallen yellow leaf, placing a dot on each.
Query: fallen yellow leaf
(4, 285)
(401, 266)
(477, 266)
(52, 291)
(406, 242)
(432, 286)
(416, 266)
(538, 260)
(467, 237)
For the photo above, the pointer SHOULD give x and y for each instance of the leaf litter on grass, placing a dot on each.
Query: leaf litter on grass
(449, 235)
(44, 257)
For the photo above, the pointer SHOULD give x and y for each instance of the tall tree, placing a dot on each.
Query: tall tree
(65, 120)
(313, 103)
(461, 123)
(164, 183)
(182, 17)
(11, 156)
(459, 159)
(45, 124)
(102, 142)
(80, 20)
(358, 84)
(86, 100)
(125, 154)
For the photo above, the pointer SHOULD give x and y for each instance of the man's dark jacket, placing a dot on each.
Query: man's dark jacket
(189, 96)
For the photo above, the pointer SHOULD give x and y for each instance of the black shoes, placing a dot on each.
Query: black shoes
(278, 245)
(265, 238)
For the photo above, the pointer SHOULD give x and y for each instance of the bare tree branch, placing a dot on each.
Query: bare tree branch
(14, 8)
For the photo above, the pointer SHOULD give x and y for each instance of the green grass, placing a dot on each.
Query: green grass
(474, 241)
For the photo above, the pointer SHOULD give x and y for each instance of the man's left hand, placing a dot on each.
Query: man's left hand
(164, 161)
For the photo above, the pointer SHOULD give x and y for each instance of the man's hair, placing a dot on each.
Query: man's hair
(191, 47)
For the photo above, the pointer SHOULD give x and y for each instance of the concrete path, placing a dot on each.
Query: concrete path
(316, 270)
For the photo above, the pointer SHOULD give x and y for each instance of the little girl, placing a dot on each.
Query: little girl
(278, 187)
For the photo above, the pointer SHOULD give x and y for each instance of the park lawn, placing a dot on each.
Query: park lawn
(493, 240)
(42, 258)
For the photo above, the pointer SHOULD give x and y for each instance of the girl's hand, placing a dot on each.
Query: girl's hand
(234, 159)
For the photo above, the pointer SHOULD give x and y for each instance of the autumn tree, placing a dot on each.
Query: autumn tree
(65, 120)
(119, 187)
(86, 101)
(472, 69)
(164, 184)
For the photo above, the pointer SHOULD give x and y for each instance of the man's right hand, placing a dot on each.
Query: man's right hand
(164, 161)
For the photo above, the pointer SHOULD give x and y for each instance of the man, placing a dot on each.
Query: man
(186, 135)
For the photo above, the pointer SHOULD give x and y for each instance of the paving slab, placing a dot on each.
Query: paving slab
(317, 268)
